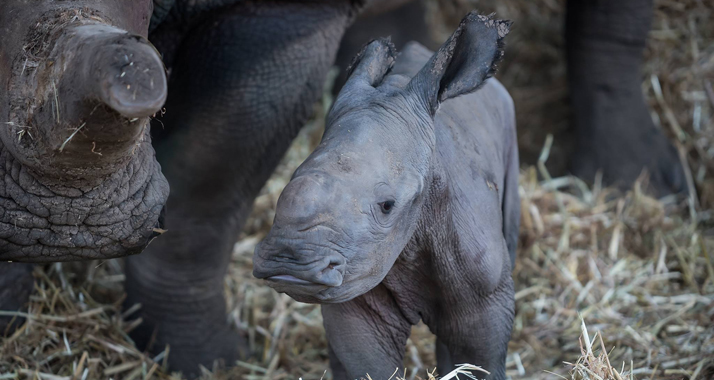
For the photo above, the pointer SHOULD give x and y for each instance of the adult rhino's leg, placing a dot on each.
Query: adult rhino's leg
(614, 131)
(443, 358)
(242, 84)
(15, 286)
(366, 335)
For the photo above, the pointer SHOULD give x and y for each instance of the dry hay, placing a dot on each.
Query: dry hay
(638, 271)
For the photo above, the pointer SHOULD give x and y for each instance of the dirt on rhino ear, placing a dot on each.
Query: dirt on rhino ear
(372, 64)
(463, 63)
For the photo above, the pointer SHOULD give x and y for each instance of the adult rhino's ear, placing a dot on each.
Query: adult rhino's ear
(463, 63)
(372, 64)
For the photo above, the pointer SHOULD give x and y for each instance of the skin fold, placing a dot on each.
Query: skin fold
(408, 209)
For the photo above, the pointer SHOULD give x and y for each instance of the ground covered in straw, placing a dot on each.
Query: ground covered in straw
(609, 285)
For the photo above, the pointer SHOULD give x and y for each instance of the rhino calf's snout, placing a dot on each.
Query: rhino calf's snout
(305, 253)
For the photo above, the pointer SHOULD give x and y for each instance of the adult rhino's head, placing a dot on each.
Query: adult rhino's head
(353, 205)
(78, 178)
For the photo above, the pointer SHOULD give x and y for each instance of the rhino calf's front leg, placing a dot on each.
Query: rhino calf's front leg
(477, 332)
(366, 336)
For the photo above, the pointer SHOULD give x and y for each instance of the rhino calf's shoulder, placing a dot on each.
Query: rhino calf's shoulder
(408, 210)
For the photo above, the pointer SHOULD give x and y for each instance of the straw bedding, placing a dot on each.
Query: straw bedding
(609, 285)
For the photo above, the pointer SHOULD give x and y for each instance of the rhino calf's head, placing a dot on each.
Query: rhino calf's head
(353, 205)
(78, 177)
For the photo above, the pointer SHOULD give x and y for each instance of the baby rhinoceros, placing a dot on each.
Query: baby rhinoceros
(408, 210)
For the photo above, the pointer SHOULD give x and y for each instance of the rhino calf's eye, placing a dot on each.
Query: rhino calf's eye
(386, 207)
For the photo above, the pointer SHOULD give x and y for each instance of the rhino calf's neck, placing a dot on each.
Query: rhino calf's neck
(408, 210)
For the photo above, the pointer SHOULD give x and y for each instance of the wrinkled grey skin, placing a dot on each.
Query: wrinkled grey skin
(408, 210)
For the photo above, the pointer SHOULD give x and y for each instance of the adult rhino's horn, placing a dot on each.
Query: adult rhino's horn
(103, 84)
(121, 70)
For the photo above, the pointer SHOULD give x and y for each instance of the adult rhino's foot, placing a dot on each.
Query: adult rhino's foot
(615, 134)
(182, 307)
(614, 131)
(15, 287)
(191, 347)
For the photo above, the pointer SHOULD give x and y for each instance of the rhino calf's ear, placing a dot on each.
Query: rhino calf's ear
(372, 64)
(463, 63)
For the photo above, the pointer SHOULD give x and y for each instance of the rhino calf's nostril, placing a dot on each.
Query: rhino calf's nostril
(334, 263)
